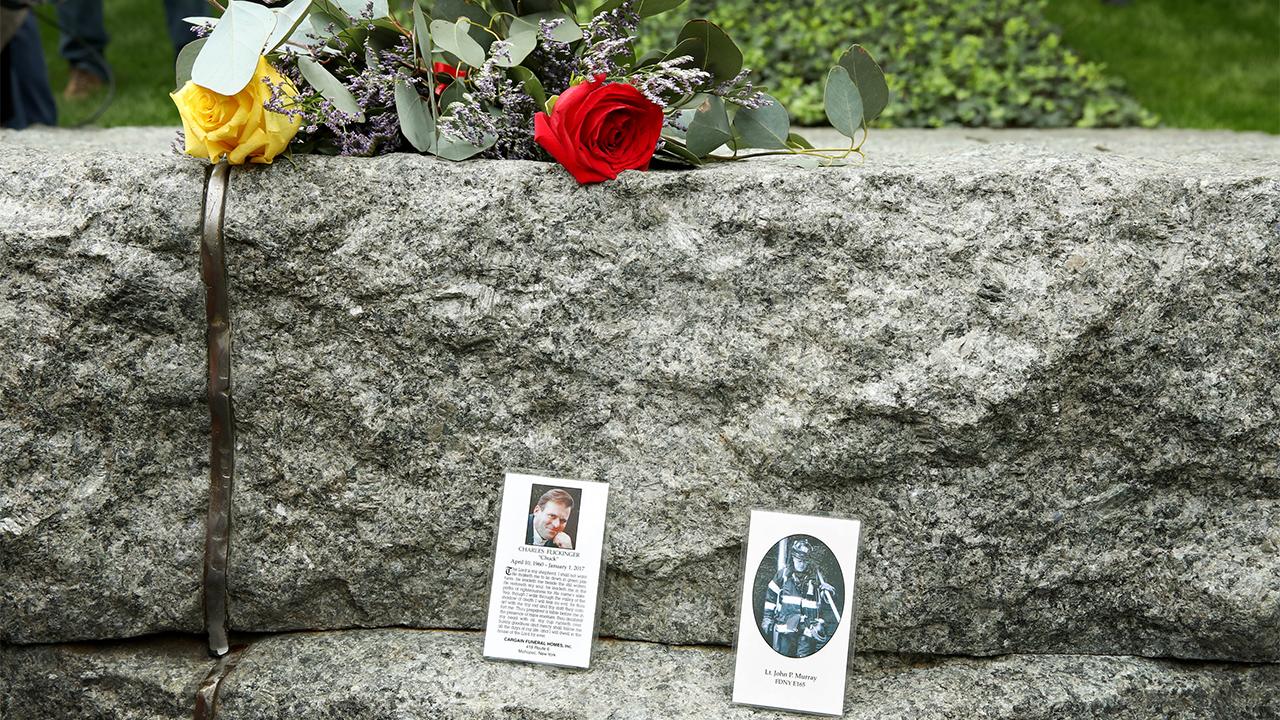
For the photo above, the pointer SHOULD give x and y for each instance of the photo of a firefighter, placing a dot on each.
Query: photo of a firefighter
(799, 592)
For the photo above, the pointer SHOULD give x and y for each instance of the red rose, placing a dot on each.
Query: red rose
(442, 68)
(596, 130)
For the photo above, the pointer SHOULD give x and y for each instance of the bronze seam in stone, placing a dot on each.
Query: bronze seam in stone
(222, 419)
(207, 696)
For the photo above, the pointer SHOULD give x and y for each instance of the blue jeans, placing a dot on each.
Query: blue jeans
(84, 38)
(25, 97)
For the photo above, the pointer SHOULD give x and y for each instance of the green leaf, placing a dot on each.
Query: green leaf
(765, 127)
(842, 102)
(226, 63)
(320, 23)
(452, 94)
(329, 86)
(355, 8)
(709, 128)
(722, 58)
(566, 32)
(454, 38)
(796, 140)
(652, 57)
(419, 128)
(530, 7)
(288, 18)
(416, 122)
(422, 34)
(187, 58)
(519, 48)
(647, 8)
(454, 10)
(673, 152)
(869, 79)
(532, 84)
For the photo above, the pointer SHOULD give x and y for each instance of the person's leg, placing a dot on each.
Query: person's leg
(83, 41)
(27, 99)
(179, 32)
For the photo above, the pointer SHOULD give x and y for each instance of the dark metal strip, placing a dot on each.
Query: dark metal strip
(207, 695)
(213, 273)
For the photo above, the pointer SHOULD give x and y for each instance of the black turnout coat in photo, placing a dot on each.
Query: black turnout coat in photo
(793, 605)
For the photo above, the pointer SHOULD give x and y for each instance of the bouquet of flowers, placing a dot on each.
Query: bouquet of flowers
(521, 79)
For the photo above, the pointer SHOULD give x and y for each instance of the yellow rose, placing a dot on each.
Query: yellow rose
(235, 125)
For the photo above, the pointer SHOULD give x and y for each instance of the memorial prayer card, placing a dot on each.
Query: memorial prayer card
(546, 570)
(796, 618)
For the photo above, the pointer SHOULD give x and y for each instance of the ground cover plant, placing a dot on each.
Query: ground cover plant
(1195, 64)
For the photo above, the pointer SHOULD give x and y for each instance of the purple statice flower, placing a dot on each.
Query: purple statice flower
(373, 88)
(669, 80)
(495, 107)
(610, 36)
(555, 59)
(741, 92)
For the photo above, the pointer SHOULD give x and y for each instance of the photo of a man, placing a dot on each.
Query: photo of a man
(799, 607)
(551, 521)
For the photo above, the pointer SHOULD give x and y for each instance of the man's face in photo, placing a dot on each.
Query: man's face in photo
(800, 563)
(550, 519)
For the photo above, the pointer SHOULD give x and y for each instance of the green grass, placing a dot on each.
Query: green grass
(140, 56)
(1195, 63)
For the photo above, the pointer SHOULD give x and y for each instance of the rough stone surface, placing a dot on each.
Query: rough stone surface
(1043, 374)
(150, 679)
(1041, 366)
(407, 674)
(103, 432)
(377, 674)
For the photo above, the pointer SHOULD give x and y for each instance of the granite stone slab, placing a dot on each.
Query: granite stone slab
(151, 679)
(103, 431)
(419, 674)
(1044, 376)
(377, 674)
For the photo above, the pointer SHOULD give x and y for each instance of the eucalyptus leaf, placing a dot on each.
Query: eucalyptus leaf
(226, 63)
(709, 128)
(869, 79)
(416, 122)
(518, 48)
(722, 57)
(647, 7)
(356, 8)
(454, 38)
(694, 48)
(187, 58)
(201, 20)
(324, 26)
(796, 140)
(652, 57)
(452, 149)
(842, 102)
(454, 10)
(529, 7)
(566, 32)
(288, 18)
(673, 152)
(419, 128)
(330, 87)
(421, 34)
(452, 94)
(532, 85)
(764, 127)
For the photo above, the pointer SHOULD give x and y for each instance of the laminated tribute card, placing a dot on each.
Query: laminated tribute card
(548, 557)
(795, 620)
